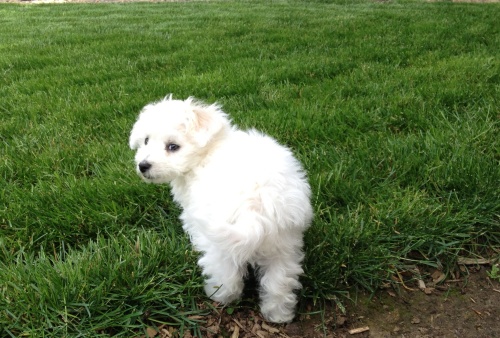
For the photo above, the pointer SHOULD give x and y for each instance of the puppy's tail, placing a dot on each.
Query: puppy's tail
(241, 238)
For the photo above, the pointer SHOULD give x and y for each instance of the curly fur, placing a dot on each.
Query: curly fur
(245, 198)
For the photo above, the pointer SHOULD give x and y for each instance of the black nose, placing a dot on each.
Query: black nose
(144, 166)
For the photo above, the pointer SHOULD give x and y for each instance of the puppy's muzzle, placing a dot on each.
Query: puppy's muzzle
(144, 166)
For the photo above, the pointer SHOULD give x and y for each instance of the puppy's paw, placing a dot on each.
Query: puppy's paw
(277, 314)
(278, 308)
(223, 294)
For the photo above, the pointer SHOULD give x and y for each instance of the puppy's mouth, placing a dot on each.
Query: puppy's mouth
(150, 177)
(152, 173)
(143, 169)
(146, 176)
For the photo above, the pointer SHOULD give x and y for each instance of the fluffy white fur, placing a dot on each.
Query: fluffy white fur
(245, 198)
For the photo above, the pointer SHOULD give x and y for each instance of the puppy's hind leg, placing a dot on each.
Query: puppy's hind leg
(279, 278)
(224, 278)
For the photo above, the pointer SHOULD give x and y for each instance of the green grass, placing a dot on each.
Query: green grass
(392, 107)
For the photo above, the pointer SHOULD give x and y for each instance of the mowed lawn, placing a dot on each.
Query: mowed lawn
(392, 107)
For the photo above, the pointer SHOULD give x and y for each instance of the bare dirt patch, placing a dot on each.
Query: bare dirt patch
(467, 306)
(464, 307)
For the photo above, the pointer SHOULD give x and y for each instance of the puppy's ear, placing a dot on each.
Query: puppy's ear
(137, 133)
(208, 121)
(135, 138)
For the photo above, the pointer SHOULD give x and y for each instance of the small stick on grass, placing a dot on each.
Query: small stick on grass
(236, 332)
(359, 330)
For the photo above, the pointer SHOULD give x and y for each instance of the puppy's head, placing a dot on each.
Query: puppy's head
(173, 136)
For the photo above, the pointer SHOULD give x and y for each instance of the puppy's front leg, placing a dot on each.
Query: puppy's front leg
(224, 277)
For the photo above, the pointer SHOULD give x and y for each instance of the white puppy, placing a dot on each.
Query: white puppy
(245, 198)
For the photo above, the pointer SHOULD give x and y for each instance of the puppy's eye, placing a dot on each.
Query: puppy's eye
(146, 140)
(172, 147)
